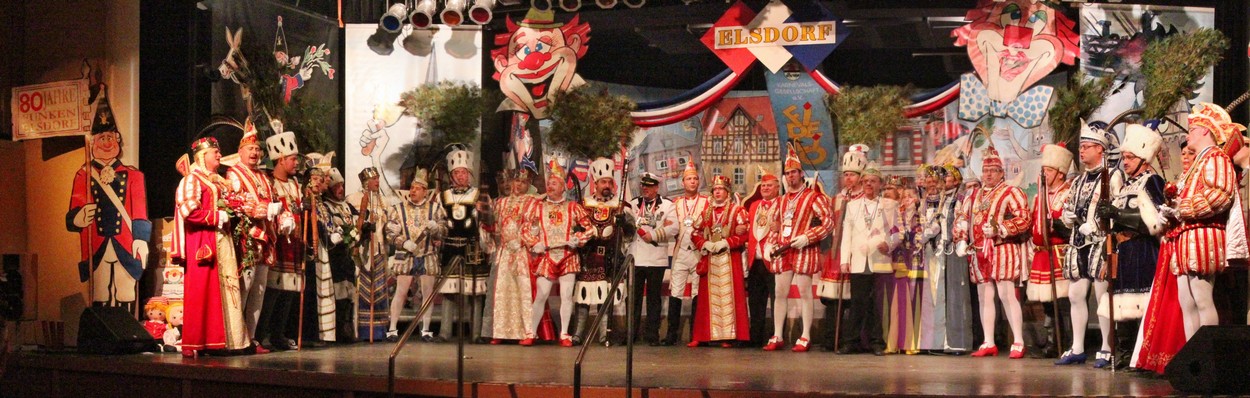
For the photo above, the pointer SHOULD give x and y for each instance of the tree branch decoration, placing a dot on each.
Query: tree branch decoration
(451, 111)
(1173, 66)
(1075, 102)
(867, 115)
(589, 122)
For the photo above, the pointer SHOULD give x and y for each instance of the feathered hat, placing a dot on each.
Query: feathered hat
(282, 143)
(990, 158)
(458, 159)
(421, 177)
(555, 170)
(1226, 133)
(792, 160)
(1095, 132)
(765, 175)
(689, 171)
(953, 171)
(336, 176)
(723, 182)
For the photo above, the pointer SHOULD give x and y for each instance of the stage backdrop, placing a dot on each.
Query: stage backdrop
(376, 134)
(1113, 36)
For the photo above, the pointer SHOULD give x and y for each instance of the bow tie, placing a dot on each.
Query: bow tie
(1027, 109)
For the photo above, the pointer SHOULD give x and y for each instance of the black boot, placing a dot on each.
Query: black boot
(674, 322)
(1125, 339)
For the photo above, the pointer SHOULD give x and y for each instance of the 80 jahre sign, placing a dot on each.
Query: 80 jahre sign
(51, 110)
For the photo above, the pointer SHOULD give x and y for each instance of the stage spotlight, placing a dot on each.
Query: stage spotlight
(480, 13)
(634, 3)
(453, 12)
(393, 20)
(605, 4)
(423, 13)
(382, 42)
(570, 5)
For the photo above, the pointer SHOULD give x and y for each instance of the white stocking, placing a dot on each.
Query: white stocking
(1078, 292)
(781, 298)
(1104, 323)
(1197, 306)
(985, 295)
(805, 297)
(402, 282)
(566, 301)
(1011, 304)
(540, 304)
(427, 292)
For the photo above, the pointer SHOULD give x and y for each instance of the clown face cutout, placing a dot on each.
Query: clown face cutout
(1014, 43)
(537, 57)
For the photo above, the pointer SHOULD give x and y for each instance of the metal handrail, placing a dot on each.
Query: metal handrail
(456, 264)
(627, 265)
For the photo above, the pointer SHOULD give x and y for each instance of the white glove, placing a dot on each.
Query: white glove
(538, 248)
(799, 242)
(768, 252)
(431, 225)
(222, 218)
(989, 231)
(930, 233)
(273, 210)
(1168, 212)
(287, 226)
(721, 246)
(961, 249)
(85, 215)
(707, 247)
(606, 232)
(140, 250)
(1068, 217)
(961, 226)
(1087, 229)
(336, 238)
(410, 246)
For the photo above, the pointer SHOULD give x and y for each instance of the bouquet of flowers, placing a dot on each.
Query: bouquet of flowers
(248, 234)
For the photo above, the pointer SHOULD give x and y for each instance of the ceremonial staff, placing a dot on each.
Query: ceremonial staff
(363, 244)
(1111, 260)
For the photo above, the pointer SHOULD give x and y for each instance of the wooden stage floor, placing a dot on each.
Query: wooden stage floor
(547, 371)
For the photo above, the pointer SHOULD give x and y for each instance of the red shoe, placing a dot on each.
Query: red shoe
(261, 350)
(189, 354)
(495, 341)
(1017, 351)
(773, 344)
(528, 341)
(693, 344)
(986, 350)
(726, 345)
(566, 340)
(800, 345)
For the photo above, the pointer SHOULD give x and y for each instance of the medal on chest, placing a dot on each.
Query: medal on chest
(555, 217)
(459, 212)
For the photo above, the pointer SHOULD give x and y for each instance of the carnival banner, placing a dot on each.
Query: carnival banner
(1113, 37)
(377, 133)
(799, 108)
(51, 110)
(808, 32)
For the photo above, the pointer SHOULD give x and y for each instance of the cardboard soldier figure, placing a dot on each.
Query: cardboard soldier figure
(109, 211)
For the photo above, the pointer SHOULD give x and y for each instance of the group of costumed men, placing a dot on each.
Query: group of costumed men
(898, 269)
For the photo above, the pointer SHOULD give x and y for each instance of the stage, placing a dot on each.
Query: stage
(546, 371)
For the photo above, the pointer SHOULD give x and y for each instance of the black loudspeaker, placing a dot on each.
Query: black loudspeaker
(112, 330)
(1215, 361)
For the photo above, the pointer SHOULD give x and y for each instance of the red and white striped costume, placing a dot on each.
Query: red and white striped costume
(1047, 267)
(553, 224)
(1002, 207)
(803, 212)
(1205, 197)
